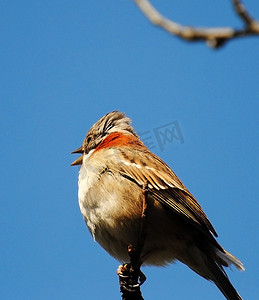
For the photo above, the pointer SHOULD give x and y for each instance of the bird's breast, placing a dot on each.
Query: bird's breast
(110, 204)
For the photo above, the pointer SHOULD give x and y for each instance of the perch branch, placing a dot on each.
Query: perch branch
(130, 275)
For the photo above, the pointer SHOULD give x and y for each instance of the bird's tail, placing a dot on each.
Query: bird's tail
(220, 278)
(227, 259)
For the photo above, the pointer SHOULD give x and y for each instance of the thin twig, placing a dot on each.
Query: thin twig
(142, 229)
(214, 37)
(245, 16)
(130, 275)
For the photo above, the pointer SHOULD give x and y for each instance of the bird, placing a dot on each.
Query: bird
(117, 176)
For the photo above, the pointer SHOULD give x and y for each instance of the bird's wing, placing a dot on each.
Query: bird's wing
(148, 170)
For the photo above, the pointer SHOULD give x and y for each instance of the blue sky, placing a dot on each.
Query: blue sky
(64, 64)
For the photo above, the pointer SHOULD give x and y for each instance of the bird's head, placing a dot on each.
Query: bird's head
(112, 122)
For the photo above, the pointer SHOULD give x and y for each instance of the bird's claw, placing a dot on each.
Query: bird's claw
(128, 278)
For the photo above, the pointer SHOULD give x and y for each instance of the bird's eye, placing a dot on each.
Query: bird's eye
(89, 139)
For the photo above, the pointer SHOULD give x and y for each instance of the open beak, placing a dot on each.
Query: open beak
(79, 161)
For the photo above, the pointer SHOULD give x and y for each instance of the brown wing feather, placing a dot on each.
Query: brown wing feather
(184, 203)
(163, 184)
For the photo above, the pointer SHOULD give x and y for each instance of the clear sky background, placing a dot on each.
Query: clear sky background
(64, 64)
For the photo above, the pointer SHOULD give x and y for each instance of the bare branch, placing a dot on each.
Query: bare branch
(214, 37)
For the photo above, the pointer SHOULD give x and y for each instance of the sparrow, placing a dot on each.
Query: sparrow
(117, 174)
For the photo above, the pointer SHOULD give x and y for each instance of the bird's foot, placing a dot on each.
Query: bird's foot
(130, 279)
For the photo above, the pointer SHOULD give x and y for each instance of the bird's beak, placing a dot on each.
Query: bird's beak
(79, 161)
(78, 150)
